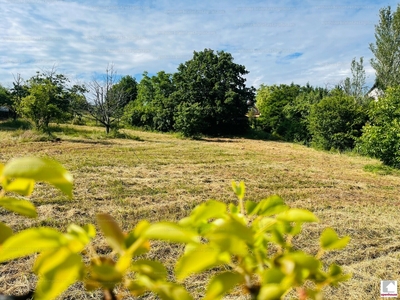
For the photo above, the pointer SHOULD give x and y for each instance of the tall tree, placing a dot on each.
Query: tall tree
(212, 95)
(355, 86)
(106, 103)
(18, 91)
(387, 48)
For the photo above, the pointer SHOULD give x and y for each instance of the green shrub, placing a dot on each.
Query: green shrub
(251, 242)
(381, 138)
(336, 121)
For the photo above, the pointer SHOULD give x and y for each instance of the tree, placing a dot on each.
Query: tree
(106, 104)
(211, 94)
(387, 48)
(5, 98)
(49, 98)
(298, 111)
(336, 121)
(18, 91)
(380, 138)
(39, 105)
(271, 101)
(355, 86)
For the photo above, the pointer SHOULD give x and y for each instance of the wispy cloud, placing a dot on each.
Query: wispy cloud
(291, 41)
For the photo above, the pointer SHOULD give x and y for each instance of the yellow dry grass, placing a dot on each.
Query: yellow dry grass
(162, 177)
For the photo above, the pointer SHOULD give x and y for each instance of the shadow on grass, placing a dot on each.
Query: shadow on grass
(251, 134)
(12, 125)
(382, 170)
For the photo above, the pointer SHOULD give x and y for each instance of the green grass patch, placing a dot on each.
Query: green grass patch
(382, 170)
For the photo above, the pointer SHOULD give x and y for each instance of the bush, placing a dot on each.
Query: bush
(336, 121)
(381, 138)
(238, 238)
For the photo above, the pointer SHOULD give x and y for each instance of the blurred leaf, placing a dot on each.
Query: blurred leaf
(5, 232)
(79, 237)
(271, 292)
(209, 210)
(113, 234)
(199, 259)
(273, 276)
(222, 284)
(329, 240)
(170, 232)
(104, 275)
(172, 291)
(31, 241)
(297, 215)
(239, 189)
(229, 243)
(271, 206)
(57, 279)
(234, 227)
(152, 269)
(19, 206)
(21, 186)
(40, 169)
(251, 207)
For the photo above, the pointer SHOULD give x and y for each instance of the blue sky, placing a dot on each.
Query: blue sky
(289, 41)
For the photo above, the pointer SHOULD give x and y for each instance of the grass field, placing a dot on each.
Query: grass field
(161, 177)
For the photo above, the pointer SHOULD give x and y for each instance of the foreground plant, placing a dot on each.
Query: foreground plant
(251, 242)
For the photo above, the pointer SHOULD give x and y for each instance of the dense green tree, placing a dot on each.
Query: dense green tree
(336, 121)
(271, 101)
(152, 108)
(42, 105)
(387, 48)
(5, 98)
(380, 137)
(49, 98)
(211, 94)
(128, 85)
(297, 114)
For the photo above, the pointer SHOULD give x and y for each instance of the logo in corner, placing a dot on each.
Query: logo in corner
(389, 288)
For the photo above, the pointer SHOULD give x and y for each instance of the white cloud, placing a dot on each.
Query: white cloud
(81, 38)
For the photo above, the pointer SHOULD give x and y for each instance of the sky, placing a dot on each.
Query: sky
(279, 42)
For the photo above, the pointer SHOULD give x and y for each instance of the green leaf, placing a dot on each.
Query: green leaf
(172, 291)
(112, 232)
(229, 243)
(79, 237)
(234, 227)
(251, 207)
(19, 206)
(31, 241)
(170, 232)
(40, 169)
(329, 240)
(239, 189)
(21, 186)
(104, 275)
(57, 279)
(1, 170)
(209, 210)
(222, 284)
(202, 258)
(152, 269)
(5, 233)
(297, 215)
(270, 292)
(270, 206)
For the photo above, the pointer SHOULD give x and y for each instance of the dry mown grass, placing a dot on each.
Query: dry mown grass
(161, 177)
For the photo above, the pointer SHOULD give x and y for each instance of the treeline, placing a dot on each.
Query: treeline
(208, 95)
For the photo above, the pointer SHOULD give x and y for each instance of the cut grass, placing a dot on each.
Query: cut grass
(162, 177)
